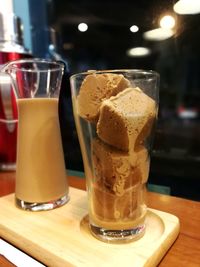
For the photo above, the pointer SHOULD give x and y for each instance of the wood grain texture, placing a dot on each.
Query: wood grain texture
(186, 249)
(7, 183)
(57, 238)
(5, 263)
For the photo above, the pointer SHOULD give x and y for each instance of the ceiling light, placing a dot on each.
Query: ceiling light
(167, 22)
(159, 34)
(134, 28)
(82, 27)
(187, 7)
(138, 52)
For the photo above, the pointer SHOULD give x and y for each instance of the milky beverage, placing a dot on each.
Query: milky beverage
(119, 118)
(41, 175)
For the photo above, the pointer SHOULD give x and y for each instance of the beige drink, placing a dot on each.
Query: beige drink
(40, 175)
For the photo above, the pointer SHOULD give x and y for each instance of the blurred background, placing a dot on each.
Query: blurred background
(158, 35)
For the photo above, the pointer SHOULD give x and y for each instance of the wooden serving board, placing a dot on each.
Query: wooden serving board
(61, 237)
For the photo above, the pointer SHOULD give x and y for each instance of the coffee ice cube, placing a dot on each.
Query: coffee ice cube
(124, 117)
(94, 89)
(113, 168)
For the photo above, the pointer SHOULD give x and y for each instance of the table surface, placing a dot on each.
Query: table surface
(186, 249)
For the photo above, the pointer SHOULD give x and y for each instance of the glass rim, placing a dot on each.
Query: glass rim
(117, 71)
(51, 65)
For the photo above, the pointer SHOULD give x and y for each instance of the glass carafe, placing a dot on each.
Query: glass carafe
(41, 181)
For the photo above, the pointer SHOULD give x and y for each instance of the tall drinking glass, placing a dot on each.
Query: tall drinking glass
(115, 113)
(41, 181)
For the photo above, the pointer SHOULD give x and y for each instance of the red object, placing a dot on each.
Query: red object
(8, 130)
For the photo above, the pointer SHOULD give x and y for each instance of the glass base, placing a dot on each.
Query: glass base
(7, 167)
(118, 236)
(41, 206)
